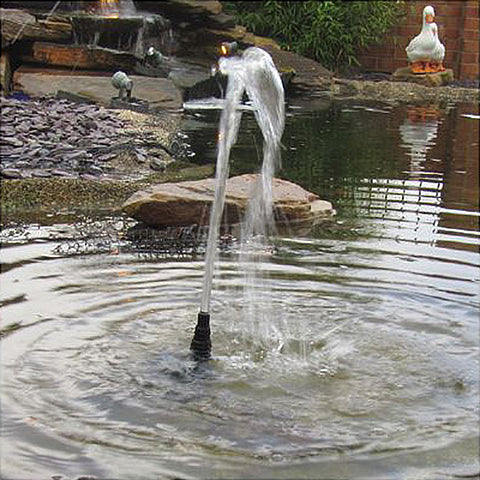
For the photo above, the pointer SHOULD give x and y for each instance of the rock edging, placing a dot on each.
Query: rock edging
(395, 91)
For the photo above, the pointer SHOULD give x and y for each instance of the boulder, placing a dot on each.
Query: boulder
(309, 74)
(21, 25)
(216, 85)
(184, 10)
(187, 203)
(438, 79)
(5, 72)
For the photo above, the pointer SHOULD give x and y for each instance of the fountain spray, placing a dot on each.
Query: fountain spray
(255, 73)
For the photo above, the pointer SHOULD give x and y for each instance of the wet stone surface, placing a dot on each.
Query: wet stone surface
(56, 138)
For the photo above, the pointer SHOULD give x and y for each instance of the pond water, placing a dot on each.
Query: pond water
(377, 372)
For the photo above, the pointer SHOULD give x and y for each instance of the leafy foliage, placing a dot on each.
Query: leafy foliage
(331, 32)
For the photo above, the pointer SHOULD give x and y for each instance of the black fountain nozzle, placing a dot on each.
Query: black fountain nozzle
(201, 345)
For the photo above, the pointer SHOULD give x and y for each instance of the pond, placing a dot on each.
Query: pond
(375, 376)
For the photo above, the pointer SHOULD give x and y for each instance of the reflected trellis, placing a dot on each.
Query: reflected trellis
(115, 236)
(413, 206)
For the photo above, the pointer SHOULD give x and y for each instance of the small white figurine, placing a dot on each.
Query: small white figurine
(153, 57)
(121, 82)
(425, 52)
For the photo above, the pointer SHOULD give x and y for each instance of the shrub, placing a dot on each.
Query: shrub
(331, 32)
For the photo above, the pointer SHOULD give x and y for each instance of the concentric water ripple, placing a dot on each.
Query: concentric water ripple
(354, 354)
(378, 354)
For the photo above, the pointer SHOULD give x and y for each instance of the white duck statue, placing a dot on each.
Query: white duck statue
(425, 52)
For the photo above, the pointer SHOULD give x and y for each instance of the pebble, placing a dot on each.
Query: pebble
(41, 174)
(11, 173)
(11, 141)
(61, 173)
(93, 170)
(157, 164)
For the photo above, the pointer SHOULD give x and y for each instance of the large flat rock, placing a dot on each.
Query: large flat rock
(187, 203)
(21, 25)
(309, 74)
(161, 93)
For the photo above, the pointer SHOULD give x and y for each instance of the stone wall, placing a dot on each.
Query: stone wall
(458, 24)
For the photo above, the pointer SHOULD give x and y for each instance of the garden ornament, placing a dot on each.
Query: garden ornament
(122, 83)
(153, 57)
(425, 52)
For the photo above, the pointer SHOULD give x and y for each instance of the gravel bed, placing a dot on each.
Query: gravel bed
(50, 137)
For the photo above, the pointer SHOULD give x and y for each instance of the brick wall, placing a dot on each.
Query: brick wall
(458, 27)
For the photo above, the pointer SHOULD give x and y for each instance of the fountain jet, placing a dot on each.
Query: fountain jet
(255, 73)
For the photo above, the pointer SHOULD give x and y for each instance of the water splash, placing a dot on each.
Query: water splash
(122, 8)
(254, 73)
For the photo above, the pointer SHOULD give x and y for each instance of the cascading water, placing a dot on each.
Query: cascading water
(119, 26)
(123, 8)
(255, 73)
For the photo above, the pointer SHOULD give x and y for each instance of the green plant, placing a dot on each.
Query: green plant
(332, 32)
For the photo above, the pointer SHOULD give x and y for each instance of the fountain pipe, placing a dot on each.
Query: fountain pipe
(229, 123)
(201, 345)
(266, 107)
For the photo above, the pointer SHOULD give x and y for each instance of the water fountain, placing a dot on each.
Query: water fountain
(255, 73)
(119, 26)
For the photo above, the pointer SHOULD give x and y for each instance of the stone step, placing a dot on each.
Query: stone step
(160, 93)
(80, 57)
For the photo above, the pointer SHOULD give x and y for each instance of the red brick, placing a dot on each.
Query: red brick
(385, 51)
(471, 35)
(460, 38)
(450, 58)
(471, 23)
(409, 27)
(368, 63)
(450, 10)
(471, 10)
(400, 55)
(450, 32)
(450, 53)
(469, 71)
(468, 57)
(450, 43)
(453, 54)
(386, 65)
(470, 46)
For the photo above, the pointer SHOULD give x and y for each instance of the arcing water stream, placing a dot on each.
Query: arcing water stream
(256, 74)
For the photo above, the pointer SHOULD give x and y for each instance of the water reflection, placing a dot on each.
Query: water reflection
(408, 207)
(409, 173)
(418, 133)
(459, 217)
(406, 172)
